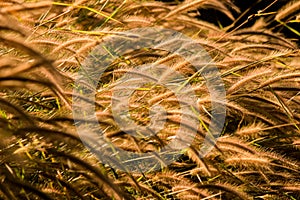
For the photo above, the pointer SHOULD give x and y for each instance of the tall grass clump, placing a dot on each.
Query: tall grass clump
(43, 45)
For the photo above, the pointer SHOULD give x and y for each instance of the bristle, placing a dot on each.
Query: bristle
(289, 9)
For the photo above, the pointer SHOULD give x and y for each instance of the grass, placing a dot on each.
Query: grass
(43, 45)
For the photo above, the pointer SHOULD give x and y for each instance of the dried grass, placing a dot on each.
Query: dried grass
(43, 44)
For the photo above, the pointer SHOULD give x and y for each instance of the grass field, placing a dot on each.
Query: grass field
(43, 49)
